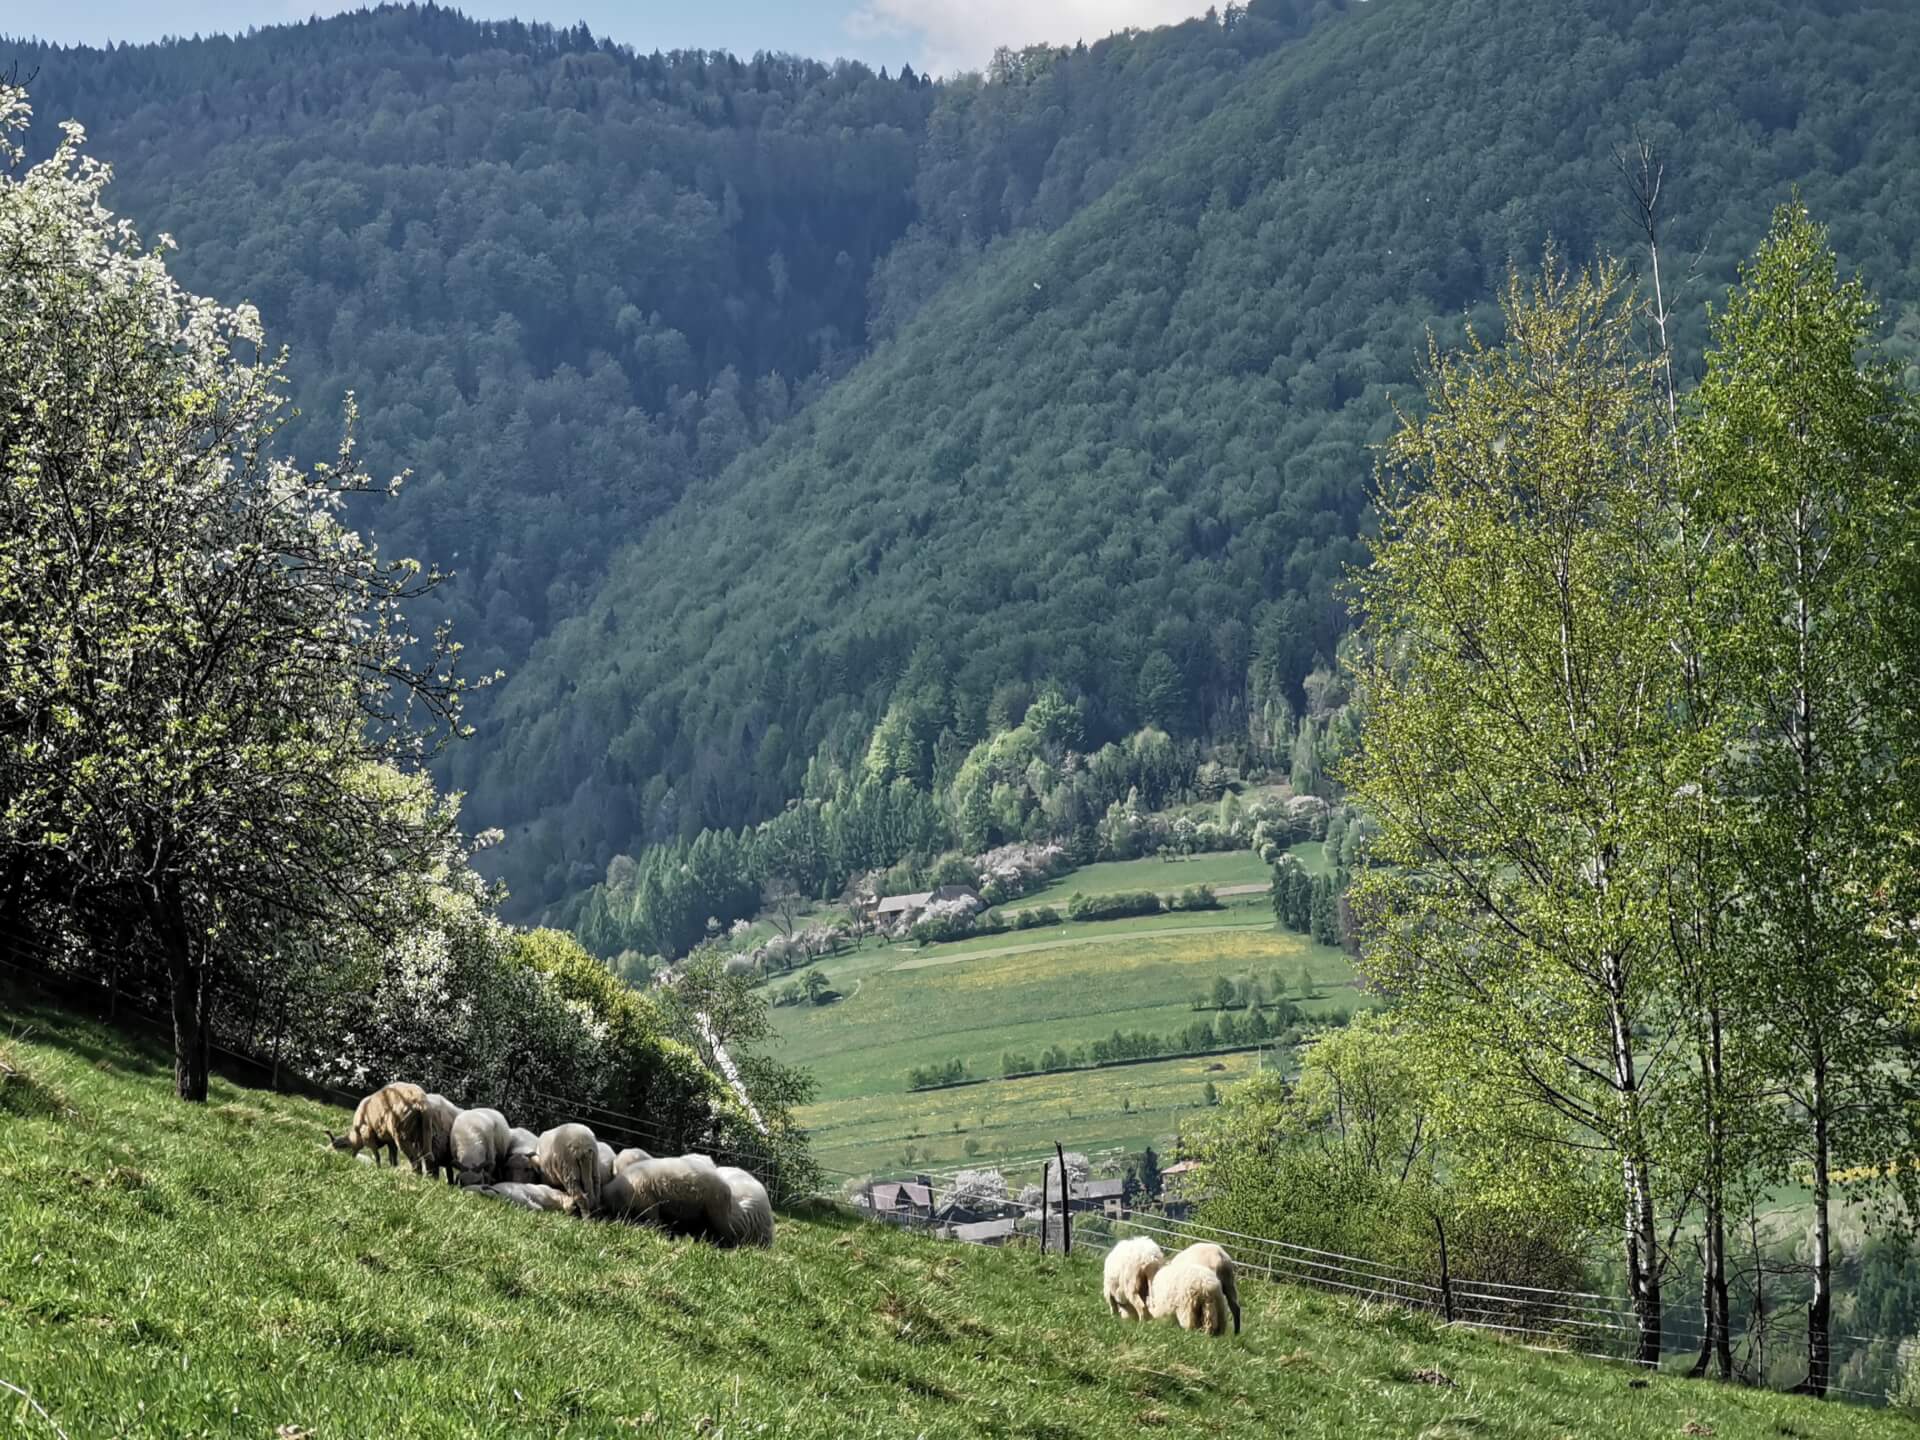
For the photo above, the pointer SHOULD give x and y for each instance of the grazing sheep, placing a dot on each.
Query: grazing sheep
(387, 1121)
(529, 1197)
(750, 1221)
(1191, 1295)
(435, 1154)
(603, 1161)
(1130, 1268)
(569, 1158)
(1209, 1256)
(481, 1139)
(687, 1196)
(632, 1155)
(519, 1166)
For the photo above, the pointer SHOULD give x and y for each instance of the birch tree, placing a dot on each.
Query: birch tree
(1519, 685)
(1808, 466)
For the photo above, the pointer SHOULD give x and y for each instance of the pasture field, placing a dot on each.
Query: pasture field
(1125, 1107)
(904, 1006)
(172, 1270)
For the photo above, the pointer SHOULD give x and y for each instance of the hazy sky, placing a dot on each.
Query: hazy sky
(941, 35)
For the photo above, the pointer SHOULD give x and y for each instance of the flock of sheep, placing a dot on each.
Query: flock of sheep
(1196, 1288)
(569, 1170)
(565, 1169)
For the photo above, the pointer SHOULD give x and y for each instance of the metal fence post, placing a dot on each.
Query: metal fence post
(1066, 1188)
(1046, 1172)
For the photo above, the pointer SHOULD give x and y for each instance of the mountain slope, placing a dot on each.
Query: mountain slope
(1147, 433)
(566, 279)
(169, 1270)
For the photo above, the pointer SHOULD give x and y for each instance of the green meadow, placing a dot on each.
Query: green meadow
(214, 1272)
(902, 1006)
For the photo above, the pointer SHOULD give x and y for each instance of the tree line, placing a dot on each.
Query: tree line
(1639, 676)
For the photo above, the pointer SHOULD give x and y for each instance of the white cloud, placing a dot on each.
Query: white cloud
(962, 34)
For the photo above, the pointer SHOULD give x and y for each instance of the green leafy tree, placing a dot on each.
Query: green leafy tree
(1808, 460)
(214, 699)
(1515, 756)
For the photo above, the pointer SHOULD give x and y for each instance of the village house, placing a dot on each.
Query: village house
(898, 910)
(1107, 1196)
(901, 1202)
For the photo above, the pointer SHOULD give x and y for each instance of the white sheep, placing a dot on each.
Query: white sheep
(603, 1160)
(569, 1159)
(522, 1147)
(437, 1137)
(750, 1222)
(687, 1196)
(1130, 1268)
(1208, 1256)
(632, 1155)
(529, 1197)
(1190, 1295)
(387, 1121)
(481, 1140)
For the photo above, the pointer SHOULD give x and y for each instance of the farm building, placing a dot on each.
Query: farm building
(904, 1202)
(982, 1232)
(1109, 1197)
(904, 909)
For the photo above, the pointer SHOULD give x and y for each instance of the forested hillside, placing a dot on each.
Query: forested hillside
(1132, 454)
(565, 279)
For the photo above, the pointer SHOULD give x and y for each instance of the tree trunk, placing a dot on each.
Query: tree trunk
(1643, 1271)
(192, 998)
(1820, 1311)
(190, 1024)
(1636, 1171)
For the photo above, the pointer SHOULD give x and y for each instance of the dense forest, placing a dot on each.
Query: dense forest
(729, 384)
(1132, 455)
(565, 279)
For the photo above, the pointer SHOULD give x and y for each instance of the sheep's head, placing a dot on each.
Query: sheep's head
(337, 1142)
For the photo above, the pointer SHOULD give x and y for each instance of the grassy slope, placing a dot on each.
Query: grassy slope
(176, 1271)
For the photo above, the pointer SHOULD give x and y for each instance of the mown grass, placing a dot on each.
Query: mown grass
(175, 1271)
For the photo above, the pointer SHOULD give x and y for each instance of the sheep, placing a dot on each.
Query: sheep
(529, 1197)
(436, 1146)
(569, 1159)
(519, 1166)
(481, 1139)
(687, 1196)
(632, 1155)
(1209, 1256)
(1130, 1268)
(387, 1121)
(603, 1161)
(1190, 1295)
(750, 1221)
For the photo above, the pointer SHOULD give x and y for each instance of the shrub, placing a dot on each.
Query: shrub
(1113, 907)
(1034, 919)
(1195, 897)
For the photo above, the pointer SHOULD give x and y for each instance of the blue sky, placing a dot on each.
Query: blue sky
(941, 35)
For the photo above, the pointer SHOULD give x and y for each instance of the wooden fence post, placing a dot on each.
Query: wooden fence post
(1066, 1189)
(1446, 1275)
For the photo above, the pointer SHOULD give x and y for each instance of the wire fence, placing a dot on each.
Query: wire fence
(1592, 1324)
